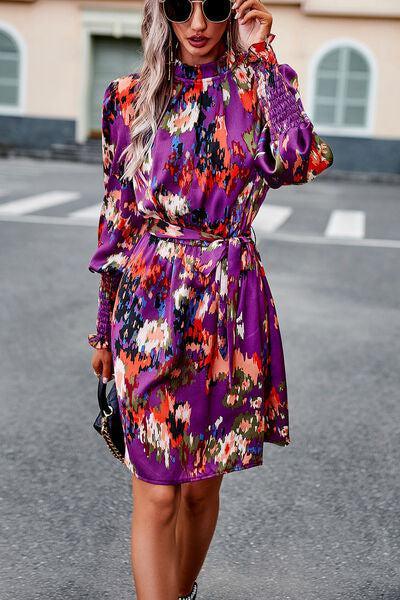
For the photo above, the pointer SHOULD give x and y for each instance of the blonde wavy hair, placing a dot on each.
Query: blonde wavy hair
(153, 94)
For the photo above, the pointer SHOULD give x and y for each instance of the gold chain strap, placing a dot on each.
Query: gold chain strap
(106, 435)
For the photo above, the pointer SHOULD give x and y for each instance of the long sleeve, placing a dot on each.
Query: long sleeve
(289, 151)
(120, 225)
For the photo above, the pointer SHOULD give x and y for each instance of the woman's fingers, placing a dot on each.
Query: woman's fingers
(254, 20)
(242, 6)
(254, 14)
(107, 371)
(102, 364)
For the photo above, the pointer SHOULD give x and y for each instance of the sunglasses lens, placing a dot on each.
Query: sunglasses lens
(217, 10)
(177, 10)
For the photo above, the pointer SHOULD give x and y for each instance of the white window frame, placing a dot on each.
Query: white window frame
(111, 22)
(335, 44)
(19, 108)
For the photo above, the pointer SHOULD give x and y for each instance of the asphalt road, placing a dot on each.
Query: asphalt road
(319, 520)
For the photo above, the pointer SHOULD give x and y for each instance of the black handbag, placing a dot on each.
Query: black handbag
(108, 422)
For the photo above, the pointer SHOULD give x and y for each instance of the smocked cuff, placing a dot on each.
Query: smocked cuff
(107, 291)
(99, 342)
(263, 51)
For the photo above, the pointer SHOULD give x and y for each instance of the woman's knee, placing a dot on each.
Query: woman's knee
(198, 495)
(160, 502)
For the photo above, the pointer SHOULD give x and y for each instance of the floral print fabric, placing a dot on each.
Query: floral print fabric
(193, 328)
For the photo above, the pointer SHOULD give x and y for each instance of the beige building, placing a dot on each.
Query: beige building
(57, 56)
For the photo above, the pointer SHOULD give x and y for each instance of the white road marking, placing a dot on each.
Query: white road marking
(270, 217)
(90, 213)
(44, 219)
(37, 202)
(346, 223)
(332, 241)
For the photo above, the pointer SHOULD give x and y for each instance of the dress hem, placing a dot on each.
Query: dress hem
(281, 443)
(188, 480)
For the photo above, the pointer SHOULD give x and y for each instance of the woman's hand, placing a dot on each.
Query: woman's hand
(254, 21)
(102, 363)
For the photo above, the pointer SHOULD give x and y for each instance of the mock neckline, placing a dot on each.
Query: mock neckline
(212, 68)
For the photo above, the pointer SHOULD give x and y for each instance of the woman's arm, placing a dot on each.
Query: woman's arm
(120, 225)
(289, 151)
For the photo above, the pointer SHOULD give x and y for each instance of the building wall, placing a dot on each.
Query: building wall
(54, 37)
(50, 32)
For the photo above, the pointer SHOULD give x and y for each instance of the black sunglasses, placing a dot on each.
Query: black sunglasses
(179, 11)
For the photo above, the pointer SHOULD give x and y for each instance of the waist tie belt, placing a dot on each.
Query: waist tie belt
(222, 246)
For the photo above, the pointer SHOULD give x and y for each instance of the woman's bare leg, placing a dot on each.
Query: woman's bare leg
(197, 519)
(153, 552)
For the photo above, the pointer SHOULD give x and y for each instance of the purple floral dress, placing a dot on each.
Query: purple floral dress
(184, 303)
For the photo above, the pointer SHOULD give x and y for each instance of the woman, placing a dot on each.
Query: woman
(186, 321)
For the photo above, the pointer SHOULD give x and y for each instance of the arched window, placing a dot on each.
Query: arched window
(9, 70)
(342, 89)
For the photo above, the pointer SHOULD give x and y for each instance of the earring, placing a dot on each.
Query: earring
(229, 41)
(171, 56)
